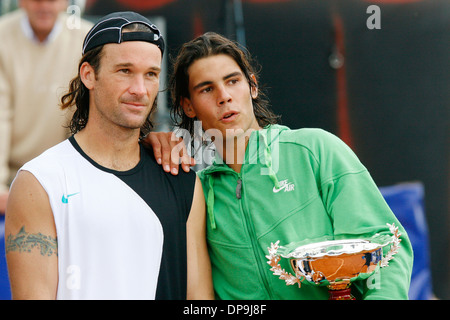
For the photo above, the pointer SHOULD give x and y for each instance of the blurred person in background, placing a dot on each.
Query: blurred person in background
(41, 46)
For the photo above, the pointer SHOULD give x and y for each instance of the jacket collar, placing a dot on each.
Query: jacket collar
(260, 149)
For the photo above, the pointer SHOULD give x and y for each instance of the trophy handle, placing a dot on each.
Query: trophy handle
(278, 271)
(394, 247)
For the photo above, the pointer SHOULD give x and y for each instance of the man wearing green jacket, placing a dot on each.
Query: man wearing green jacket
(270, 183)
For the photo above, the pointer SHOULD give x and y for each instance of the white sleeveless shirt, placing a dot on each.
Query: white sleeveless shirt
(109, 240)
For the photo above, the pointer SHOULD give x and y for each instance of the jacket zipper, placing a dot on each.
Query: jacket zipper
(239, 188)
(252, 235)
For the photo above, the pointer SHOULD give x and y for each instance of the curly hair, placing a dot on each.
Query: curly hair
(210, 44)
(78, 94)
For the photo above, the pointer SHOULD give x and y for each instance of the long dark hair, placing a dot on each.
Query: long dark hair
(210, 44)
(78, 94)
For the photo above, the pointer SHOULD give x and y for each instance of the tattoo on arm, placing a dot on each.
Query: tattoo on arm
(24, 242)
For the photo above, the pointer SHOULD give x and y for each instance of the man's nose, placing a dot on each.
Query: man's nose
(137, 86)
(223, 96)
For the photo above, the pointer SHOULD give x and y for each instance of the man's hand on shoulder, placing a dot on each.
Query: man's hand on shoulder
(170, 151)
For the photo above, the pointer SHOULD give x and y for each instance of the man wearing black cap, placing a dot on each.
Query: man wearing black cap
(95, 217)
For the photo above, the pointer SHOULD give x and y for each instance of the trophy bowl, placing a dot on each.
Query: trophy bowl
(334, 263)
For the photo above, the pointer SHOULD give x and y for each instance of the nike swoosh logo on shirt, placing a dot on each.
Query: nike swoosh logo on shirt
(65, 199)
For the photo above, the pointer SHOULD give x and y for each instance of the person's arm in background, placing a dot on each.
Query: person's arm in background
(5, 135)
(199, 286)
(30, 241)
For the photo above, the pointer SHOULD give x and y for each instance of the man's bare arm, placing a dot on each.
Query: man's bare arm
(31, 246)
(200, 286)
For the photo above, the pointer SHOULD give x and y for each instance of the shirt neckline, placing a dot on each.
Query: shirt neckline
(131, 171)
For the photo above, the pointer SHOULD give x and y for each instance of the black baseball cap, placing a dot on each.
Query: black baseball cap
(109, 30)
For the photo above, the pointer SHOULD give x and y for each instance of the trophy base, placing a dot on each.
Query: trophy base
(341, 294)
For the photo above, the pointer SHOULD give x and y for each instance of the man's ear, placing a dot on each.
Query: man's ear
(254, 88)
(187, 107)
(87, 75)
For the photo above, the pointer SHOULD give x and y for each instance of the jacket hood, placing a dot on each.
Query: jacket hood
(261, 145)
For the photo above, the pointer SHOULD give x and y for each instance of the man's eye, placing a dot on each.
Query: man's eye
(126, 71)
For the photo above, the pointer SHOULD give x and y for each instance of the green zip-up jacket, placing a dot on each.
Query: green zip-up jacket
(294, 185)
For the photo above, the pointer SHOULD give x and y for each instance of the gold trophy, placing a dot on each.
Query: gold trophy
(334, 263)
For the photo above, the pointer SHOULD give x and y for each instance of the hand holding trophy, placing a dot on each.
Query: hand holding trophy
(335, 263)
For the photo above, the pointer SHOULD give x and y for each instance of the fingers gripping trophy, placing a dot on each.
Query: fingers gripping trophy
(334, 263)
